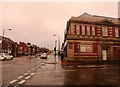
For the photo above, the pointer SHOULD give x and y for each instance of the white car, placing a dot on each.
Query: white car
(5, 56)
(43, 56)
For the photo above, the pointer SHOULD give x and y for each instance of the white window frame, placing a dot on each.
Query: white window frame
(104, 31)
(83, 30)
(93, 31)
(88, 30)
(77, 30)
(116, 32)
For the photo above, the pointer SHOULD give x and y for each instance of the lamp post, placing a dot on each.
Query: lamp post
(4, 31)
(58, 43)
(55, 47)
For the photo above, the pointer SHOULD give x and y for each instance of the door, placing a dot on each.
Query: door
(104, 54)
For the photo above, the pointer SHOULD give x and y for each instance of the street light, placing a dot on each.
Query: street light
(58, 43)
(4, 31)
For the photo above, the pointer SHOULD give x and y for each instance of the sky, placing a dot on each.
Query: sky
(37, 22)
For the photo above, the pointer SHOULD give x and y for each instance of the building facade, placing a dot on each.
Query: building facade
(7, 45)
(22, 49)
(90, 37)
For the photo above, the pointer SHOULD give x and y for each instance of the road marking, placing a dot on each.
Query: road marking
(22, 82)
(34, 68)
(20, 77)
(32, 74)
(16, 86)
(26, 74)
(37, 65)
(42, 64)
(28, 77)
(13, 81)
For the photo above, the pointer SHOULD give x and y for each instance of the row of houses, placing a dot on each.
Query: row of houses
(92, 37)
(17, 49)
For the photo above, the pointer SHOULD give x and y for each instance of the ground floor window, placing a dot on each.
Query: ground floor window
(86, 47)
(83, 47)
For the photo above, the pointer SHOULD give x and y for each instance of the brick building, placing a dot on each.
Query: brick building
(7, 45)
(22, 49)
(90, 37)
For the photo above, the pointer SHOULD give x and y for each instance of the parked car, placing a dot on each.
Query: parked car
(5, 56)
(39, 55)
(43, 56)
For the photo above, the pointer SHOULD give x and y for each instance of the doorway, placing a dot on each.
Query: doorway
(104, 52)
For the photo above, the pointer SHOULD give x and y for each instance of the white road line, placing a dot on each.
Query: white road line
(78, 66)
(28, 77)
(42, 64)
(34, 68)
(32, 74)
(20, 77)
(13, 81)
(22, 82)
(26, 74)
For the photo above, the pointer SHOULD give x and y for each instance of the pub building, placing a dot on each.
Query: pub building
(91, 37)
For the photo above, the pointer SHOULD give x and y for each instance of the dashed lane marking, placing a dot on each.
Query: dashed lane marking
(13, 81)
(28, 77)
(26, 74)
(20, 77)
(22, 82)
(32, 74)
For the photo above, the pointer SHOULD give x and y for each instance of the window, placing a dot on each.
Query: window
(83, 30)
(85, 47)
(70, 45)
(104, 31)
(93, 31)
(77, 30)
(116, 33)
(88, 30)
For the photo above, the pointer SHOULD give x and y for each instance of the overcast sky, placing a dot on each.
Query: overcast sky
(37, 22)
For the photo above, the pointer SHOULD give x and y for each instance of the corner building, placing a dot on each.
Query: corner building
(90, 37)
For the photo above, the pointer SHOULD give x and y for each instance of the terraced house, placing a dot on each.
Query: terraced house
(90, 37)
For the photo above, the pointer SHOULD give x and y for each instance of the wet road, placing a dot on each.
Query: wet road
(51, 73)
(12, 69)
(57, 74)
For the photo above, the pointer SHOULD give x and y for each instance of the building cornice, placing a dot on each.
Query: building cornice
(93, 22)
(74, 37)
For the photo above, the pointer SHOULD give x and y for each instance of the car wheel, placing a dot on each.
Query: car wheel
(12, 58)
(4, 59)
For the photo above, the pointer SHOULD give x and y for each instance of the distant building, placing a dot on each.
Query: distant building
(90, 37)
(7, 45)
(22, 49)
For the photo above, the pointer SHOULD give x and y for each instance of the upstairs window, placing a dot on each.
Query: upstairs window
(116, 33)
(83, 30)
(93, 31)
(104, 31)
(77, 30)
(88, 30)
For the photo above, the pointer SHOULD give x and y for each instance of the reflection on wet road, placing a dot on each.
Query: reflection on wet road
(57, 74)
(92, 75)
